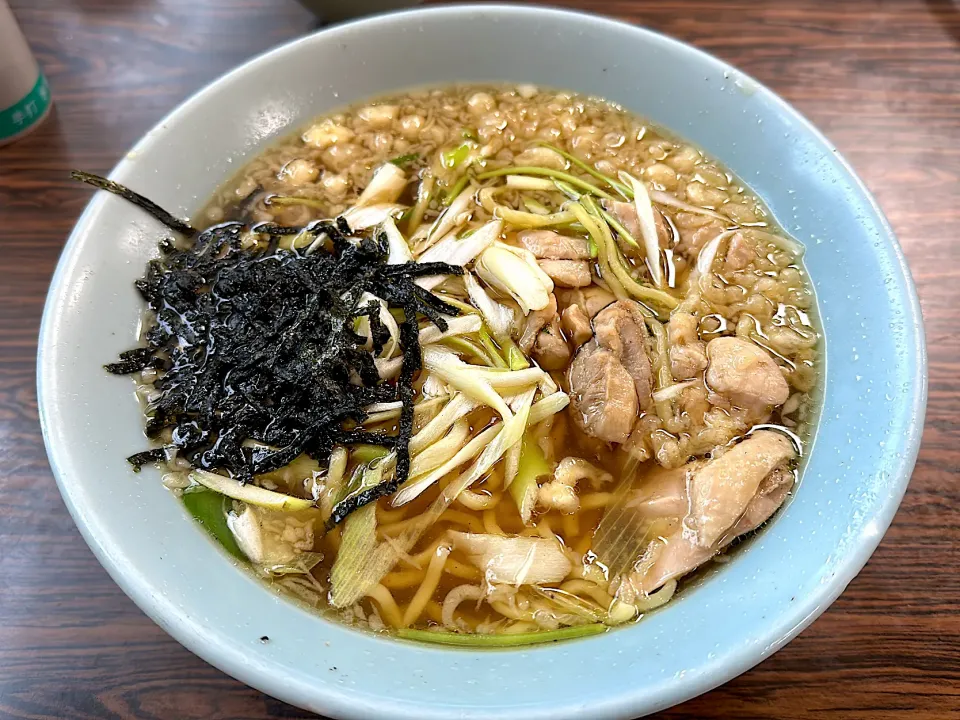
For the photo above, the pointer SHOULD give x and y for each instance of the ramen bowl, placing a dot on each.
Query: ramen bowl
(855, 472)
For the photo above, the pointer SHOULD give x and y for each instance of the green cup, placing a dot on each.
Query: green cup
(24, 93)
(25, 114)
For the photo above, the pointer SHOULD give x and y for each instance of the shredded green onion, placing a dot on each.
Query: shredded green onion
(455, 190)
(533, 464)
(621, 230)
(567, 189)
(648, 226)
(592, 246)
(335, 485)
(291, 200)
(365, 454)
(358, 542)
(491, 347)
(465, 308)
(603, 260)
(613, 264)
(424, 193)
(402, 160)
(207, 507)
(516, 360)
(619, 187)
(456, 156)
(548, 172)
(534, 206)
(519, 218)
(249, 493)
(575, 226)
(664, 376)
(468, 347)
(530, 220)
(501, 640)
(302, 239)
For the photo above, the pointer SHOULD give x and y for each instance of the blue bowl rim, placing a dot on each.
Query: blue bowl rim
(804, 612)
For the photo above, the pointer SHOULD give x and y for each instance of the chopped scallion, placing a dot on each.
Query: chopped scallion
(567, 189)
(491, 347)
(468, 347)
(516, 360)
(291, 200)
(207, 507)
(249, 493)
(621, 230)
(533, 464)
(547, 172)
(365, 454)
(456, 156)
(534, 206)
(501, 640)
(403, 160)
(619, 187)
(455, 190)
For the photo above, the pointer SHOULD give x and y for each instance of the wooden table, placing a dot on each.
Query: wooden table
(880, 77)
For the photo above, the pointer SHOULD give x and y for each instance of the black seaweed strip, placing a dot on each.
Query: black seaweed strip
(412, 362)
(258, 344)
(174, 223)
(138, 460)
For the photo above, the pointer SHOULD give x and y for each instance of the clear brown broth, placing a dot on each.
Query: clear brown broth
(773, 294)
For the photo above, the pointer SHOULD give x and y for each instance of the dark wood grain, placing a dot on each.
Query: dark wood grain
(881, 78)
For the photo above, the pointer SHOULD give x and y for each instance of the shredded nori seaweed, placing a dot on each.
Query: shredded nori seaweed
(138, 460)
(171, 221)
(132, 361)
(258, 344)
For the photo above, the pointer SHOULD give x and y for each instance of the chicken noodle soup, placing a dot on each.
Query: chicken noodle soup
(480, 365)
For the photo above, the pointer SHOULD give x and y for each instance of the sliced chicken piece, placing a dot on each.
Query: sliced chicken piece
(688, 353)
(680, 554)
(697, 234)
(626, 215)
(721, 491)
(567, 273)
(770, 496)
(514, 560)
(550, 349)
(663, 493)
(535, 322)
(576, 325)
(599, 402)
(745, 373)
(620, 328)
(550, 245)
(677, 555)
(592, 299)
(603, 396)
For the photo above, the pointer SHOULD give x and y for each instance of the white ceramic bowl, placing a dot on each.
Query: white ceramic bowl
(860, 463)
